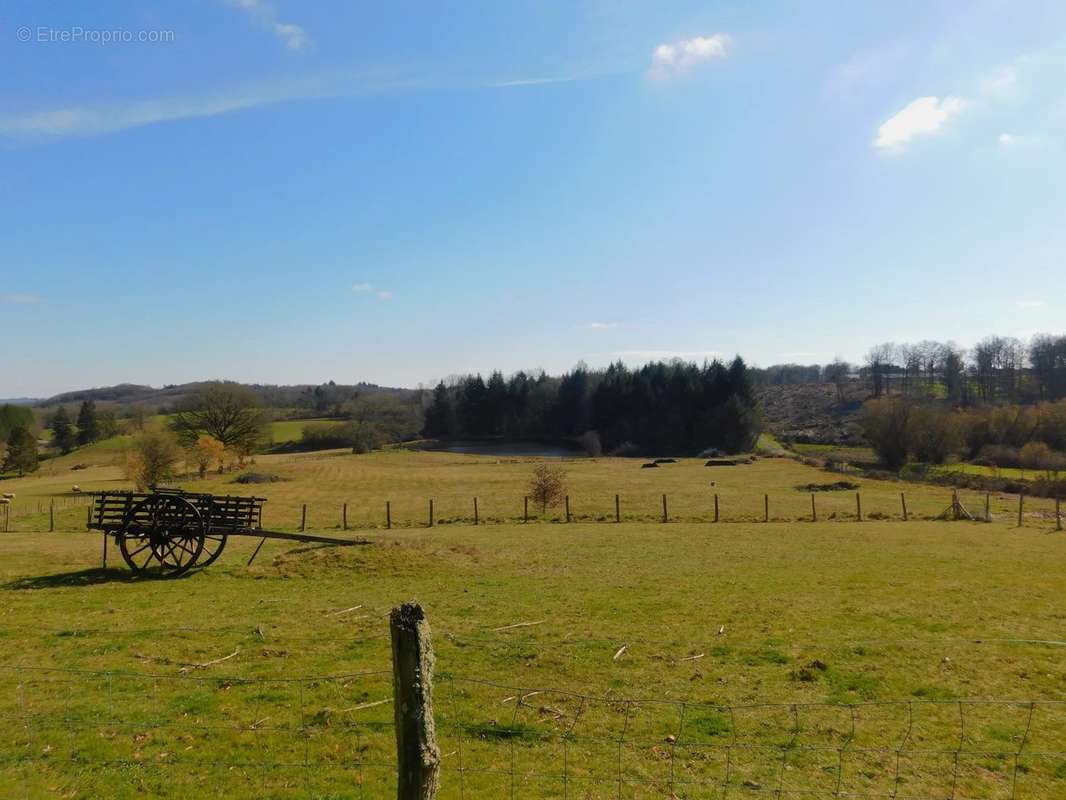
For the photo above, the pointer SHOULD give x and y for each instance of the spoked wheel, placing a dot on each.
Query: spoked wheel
(164, 533)
(214, 544)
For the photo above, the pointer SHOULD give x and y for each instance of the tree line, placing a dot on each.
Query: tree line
(996, 369)
(660, 408)
(902, 429)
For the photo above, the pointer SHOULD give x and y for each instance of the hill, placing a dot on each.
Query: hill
(814, 412)
(171, 395)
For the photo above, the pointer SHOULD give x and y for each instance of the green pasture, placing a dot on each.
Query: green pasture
(589, 659)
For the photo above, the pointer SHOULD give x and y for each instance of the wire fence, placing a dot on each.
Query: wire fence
(194, 729)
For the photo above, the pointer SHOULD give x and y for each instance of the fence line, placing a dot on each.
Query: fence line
(716, 510)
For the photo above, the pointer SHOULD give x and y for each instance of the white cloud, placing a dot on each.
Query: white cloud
(1001, 83)
(294, 36)
(921, 117)
(19, 299)
(677, 57)
(291, 35)
(95, 120)
(1014, 142)
(368, 288)
(601, 326)
(1029, 304)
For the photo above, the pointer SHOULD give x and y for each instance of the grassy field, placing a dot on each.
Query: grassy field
(676, 640)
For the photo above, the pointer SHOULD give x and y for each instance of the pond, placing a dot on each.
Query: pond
(539, 449)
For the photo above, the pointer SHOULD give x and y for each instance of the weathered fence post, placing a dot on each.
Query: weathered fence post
(344, 517)
(431, 512)
(417, 753)
(567, 508)
(903, 502)
(1058, 514)
(858, 506)
(666, 515)
(814, 510)
(52, 516)
(475, 511)
(617, 509)
(988, 507)
(525, 508)
(766, 508)
(303, 518)
(1021, 504)
(716, 506)
(388, 515)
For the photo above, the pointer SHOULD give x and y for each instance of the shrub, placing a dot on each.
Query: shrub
(152, 458)
(886, 424)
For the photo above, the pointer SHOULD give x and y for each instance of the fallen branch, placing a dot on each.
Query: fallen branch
(519, 625)
(691, 658)
(621, 652)
(344, 611)
(186, 667)
(371, 704)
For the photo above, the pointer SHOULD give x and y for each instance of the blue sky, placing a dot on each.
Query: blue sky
(394, 192)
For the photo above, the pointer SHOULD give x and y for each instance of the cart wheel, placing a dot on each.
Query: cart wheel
(214, 544)
(164, 533)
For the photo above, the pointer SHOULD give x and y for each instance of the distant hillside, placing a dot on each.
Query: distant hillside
(167, 397)
(813, 412)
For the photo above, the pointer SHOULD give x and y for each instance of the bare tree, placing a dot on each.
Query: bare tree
(227, 412)
(547, 485)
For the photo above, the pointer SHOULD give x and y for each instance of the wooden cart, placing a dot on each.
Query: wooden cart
(170, 531)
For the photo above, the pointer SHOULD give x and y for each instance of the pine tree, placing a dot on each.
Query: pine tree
(88, 424)
(21, 454)
(63, 431)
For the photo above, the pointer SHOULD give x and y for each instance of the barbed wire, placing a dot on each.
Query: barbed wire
(555, 741)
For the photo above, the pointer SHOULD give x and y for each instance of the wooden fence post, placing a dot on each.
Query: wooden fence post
(617, 509)
(716, 506)
(344, 517)
(858, 506)
(431, 512)
(988, 507)
(1058, 513)
(567, 508)
(525, 508)
(388, 515)
(303, 518)
(475, 511)
(52, 516)
(903, 502)
(766, 508)
(814, 510)
(417, 753)
(666, 515)
(1021, 503)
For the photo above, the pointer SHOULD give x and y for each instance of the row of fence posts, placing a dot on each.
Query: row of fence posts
(955, 510)
(955, 506)
(8, 509)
